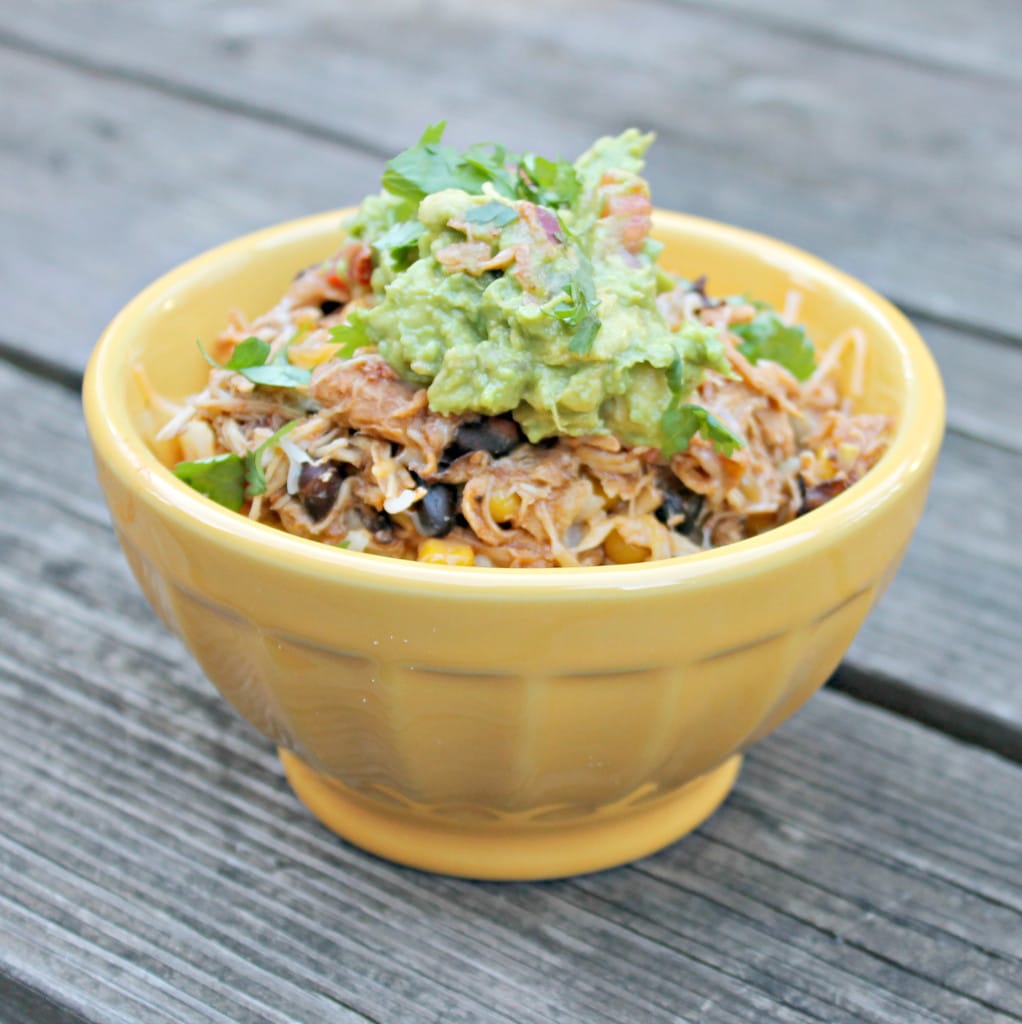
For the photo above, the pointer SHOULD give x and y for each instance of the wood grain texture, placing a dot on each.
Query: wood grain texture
(156, 868)
(976, 40)
(103, 188)
(899, 172)
(981, 380)
(949, 624)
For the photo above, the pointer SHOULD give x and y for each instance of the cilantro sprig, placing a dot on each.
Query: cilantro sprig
(351, 336)
(491, 215)
(228, 479)
(682, 420)
(430, 166)
(579, 307)
(249, 358)
(255, 478)
(401, 242)
(548, 182)
(680, 423)
(766, 336)
(221, 477)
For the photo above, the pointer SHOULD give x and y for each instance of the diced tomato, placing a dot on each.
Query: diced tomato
(360, 264)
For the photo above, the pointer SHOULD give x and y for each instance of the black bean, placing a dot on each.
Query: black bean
(318, 484)
(328, 306)
(496, 435)
(801, 494)
(698, 287)
(680, 501)
(378, 523)
(447, 456)
(438, 510)
(819, 494)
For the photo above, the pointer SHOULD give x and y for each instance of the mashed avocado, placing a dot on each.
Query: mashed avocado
(511, 283)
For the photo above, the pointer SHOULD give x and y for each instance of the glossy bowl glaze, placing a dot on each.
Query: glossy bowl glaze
(506, 723)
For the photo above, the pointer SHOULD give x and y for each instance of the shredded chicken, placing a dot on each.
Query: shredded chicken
(370, 466)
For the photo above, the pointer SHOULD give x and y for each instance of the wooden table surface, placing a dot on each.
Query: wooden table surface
(154, 866)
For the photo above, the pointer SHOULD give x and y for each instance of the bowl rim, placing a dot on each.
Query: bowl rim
(912, 451)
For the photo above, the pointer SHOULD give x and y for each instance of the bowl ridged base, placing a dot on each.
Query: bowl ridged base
(509, 850)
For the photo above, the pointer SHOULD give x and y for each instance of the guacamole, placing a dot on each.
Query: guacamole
(508, 283)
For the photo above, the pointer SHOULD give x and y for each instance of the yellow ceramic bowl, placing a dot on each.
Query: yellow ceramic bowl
(506, 723)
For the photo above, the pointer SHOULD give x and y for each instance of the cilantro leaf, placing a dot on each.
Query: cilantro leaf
(221, 478)
(680, 423)
(251, 352)
(429, 167)
(249, 359)
(492, 164)
(546, 182)
(766, 336)
(227, 479)
(278, 375)
(579, 308)
(253, 462)
(492, 214)
(351, 336)
(400, 239)
(585, 334)
(433, 133)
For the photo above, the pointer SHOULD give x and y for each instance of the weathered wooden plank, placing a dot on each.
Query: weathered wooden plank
(865, 870)
(24, 1003)
(981, 378)
(103, 188)
(903, 174)
(975, 40)
(950, 622)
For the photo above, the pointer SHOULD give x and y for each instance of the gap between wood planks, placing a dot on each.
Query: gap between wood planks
(41, 367)
(26, 1004)
(193, 94)
(938, 712)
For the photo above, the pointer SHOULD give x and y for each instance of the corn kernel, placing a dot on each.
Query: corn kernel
(847, 453)
(624, 552)
(758, 522)
(825, 468)
(504, 506)
(308, 357)
(197, 441)
(445, 552)
(598, 489)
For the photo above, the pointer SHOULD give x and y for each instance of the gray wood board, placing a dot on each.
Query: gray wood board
(101, 197)
(979, 39)
(156, 867)
(897, 171)
(105, 187)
